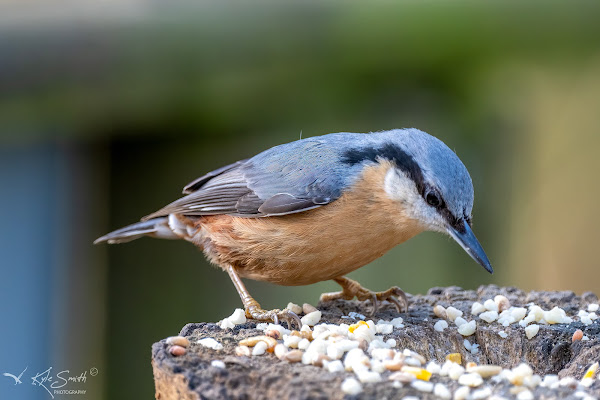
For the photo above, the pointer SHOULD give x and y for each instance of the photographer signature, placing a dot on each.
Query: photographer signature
(46, 380)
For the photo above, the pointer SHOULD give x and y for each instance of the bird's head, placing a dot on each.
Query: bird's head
(429, 182)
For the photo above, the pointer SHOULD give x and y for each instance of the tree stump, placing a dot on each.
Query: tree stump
(551, 351)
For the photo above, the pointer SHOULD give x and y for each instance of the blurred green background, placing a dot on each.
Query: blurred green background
(108, 109)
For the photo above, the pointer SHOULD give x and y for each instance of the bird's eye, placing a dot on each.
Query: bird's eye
(433, 199)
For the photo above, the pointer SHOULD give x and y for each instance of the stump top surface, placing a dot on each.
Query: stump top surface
(551, 351)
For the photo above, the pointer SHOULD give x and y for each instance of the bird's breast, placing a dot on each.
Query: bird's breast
(311, 246)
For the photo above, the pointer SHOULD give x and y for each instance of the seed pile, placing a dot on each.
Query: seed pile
(360, 350)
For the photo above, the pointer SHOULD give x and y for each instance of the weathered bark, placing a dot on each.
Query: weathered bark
(265, 377)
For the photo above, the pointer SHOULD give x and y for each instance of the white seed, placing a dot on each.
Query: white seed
(467, 329)
(259, 349)
(441, 391)
(536, 312)
(518, 313)
(481, 394)
(502, 302)
(291, 341)
(519, 373)
(351, 386)
(356, 359)
(593, 307)
(490, 305)
(587, 382)
(440, 325)
(308, 308)
(453, 313)
(366, 376)
(243, 351)
(557, 316)
(568, 381)
(403, 377)
(474, 348)
(525, 395)
(382, 354)
(294, 356)
(433, 367)
(335, 352)
(455, 371)
(459, 321)
(179, 341)
(280, 351)
(532, 381)
(210, 343)
(295, 308)
(384, 329)
(440, 312)
(393, 365)
(303, 344)
(489, 316)
(226, 324)
(278, 328)
(485, 371)
(422, 386)
(391, 342)
(238, 317)
(397, 322)
(477, 308)
(549, 380)
(218, 364)
(470, 379)
(312, 318)
(532, 330)
(306, 328)
(467, 344)
(503, 334)
(462, 393)
(335, 366)
(347, 345)
(414, 354)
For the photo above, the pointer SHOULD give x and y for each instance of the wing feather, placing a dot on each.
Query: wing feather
(285, 179)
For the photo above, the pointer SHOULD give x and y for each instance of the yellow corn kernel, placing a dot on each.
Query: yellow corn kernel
(353, 327)
(419, 373)
(454, 357)
(591, 371)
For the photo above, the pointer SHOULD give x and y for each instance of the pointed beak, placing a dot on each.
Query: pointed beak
(466, 238)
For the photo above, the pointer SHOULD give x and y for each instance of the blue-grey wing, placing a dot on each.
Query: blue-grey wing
(285, 179)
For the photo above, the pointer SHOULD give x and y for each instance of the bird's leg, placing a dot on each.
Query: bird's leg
(351, 289)
(254, 310)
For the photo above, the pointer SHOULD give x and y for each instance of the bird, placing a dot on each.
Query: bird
(318, 208)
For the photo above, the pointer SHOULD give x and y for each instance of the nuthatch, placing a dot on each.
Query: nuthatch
(319, 208)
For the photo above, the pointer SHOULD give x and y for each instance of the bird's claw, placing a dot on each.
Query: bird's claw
(274, 316)
(352, 289)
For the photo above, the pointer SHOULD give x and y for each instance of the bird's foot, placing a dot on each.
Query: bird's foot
(254, 311)
(351, 289)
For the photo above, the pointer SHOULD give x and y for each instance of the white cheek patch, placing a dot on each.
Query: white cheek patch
(402, 189)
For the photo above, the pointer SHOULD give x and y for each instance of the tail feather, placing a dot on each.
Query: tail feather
(157, 227)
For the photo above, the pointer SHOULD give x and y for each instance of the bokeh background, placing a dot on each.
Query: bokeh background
(107, 109)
